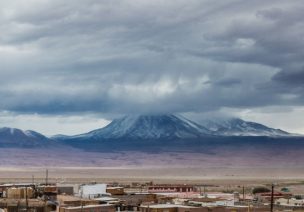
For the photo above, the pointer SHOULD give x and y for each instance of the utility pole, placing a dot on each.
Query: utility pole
(243, 193)
(271, 202)
(33, 179)
(46, 176)
(26, 199)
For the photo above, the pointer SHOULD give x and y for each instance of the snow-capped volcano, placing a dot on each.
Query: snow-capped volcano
(147, 127)
(239, 127)
(17, 137)
(170, 127)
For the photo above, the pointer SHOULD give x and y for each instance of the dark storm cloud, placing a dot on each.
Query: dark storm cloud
(292, 77)
(149, 56)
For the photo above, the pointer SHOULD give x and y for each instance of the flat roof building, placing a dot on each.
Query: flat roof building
(89, 208)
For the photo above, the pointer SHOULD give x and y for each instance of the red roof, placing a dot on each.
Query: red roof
(269, 194)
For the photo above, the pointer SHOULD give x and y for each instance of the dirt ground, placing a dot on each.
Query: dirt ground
(195, 175)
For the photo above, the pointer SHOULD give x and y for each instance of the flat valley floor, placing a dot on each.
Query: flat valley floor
(221, 167)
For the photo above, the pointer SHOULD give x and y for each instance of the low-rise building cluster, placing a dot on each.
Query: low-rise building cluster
(145, 197)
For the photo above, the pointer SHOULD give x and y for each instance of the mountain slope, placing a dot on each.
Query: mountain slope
(239, 127)
(12, 137)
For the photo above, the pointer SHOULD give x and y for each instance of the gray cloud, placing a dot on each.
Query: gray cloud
(60, 57)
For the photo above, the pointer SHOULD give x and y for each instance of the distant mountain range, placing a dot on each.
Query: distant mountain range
(170, 140)
(166, 127)
(175, 133)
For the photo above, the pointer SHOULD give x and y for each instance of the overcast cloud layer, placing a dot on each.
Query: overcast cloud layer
(61, 58)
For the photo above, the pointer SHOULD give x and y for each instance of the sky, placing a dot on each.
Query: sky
(72, 66)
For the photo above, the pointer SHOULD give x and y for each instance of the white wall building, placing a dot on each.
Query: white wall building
(93, 191)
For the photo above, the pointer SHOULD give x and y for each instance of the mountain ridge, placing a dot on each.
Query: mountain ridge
(239, 127)
(11, 137)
